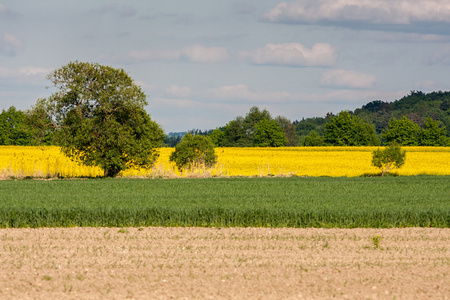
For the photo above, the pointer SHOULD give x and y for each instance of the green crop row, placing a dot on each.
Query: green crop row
(418, 201)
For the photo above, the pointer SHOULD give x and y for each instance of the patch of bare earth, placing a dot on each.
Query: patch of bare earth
(227, 263)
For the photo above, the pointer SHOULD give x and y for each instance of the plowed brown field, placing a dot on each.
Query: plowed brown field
(227, 263)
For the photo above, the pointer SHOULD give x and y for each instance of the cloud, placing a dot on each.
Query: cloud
(204, 54)
(374, 12)
(179, 91)
(430, 85)
(4, 12)
(242, 92)
(195, 53)
(28, 75)
(9, 44)
(348, 79)
(292, 54)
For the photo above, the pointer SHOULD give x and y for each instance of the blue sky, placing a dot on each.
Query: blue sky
(202, 63)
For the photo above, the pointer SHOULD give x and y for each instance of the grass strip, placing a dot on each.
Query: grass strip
(417, 201)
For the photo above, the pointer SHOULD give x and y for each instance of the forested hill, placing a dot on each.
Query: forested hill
(417, 106)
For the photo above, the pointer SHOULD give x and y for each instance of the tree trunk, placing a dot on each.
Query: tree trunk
(111, 173)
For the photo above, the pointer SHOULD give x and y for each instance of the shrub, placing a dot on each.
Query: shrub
(388, 159)
(194, 151)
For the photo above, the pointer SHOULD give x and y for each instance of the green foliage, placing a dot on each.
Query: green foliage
(217, 137)
(289, 130)
(194, 151)
(434, 134)
(389, 158)
(402, 131)
(349, 130)
(14, 129)
(40, 123)
(240, 132)
(313, 139)
(235, 134)
(100, 118)
(422, 201)
(268, 133)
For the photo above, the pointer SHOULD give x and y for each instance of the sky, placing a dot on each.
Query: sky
(203, 63)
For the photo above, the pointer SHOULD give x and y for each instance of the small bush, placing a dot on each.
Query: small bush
(194, 151)
(388, 159)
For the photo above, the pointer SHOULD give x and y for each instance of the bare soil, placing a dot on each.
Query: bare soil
(224, 263)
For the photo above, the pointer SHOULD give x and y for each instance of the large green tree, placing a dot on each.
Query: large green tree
(268, 133)
(235, 134)
(99, 116)
(14, 129)
(240, 132)
(434, 134)
(402, 131)
(349, 130)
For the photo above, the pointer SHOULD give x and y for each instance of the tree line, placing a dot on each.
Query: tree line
(418, 119)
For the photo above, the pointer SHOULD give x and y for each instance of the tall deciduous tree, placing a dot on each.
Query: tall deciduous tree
(289, 130)
(240, 132)
(14, 129)
(100, 118)
(434, 134)
(402, 131)
(349, 130)
(268, 133)
(235, 134)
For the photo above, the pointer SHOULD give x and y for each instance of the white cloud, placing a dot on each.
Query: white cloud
(2, 8)
(242, 92)
(348, 79)
(195, 53)
(430, 85)
(9, 44)
(29, 75)
(179, 91)
(292, 54)
(399, 12)
(202, 54)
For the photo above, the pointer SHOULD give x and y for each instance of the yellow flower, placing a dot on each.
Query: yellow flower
(48, 162)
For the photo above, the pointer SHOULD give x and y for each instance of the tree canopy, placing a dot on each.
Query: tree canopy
(348, 130)
(434, 134)
(100, 119)
(13, 128)
(402, 131)
(194, 151)
(389, 158)
(268, 133)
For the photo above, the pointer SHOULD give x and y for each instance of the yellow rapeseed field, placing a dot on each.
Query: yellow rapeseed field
(48, 162)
